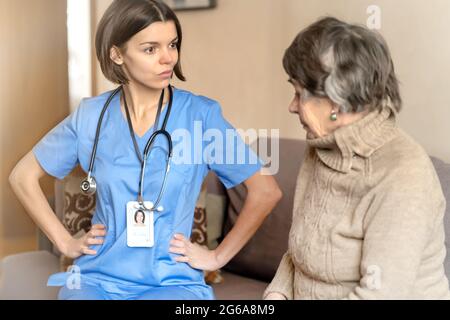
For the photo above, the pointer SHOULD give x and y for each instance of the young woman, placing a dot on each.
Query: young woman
(138, 45)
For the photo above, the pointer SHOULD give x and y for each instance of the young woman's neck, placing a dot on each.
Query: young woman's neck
(142, 100)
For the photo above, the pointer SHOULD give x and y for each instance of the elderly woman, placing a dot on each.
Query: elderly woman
(368, 211)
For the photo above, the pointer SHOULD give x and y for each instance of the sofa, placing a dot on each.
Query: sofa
(23, 276)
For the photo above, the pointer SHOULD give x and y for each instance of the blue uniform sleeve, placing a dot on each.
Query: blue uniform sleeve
(227, 154)
(57, 151)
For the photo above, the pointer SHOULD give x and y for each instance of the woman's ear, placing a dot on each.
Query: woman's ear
(116, 56)
(335, 107)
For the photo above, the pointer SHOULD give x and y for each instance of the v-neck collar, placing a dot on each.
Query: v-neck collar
(124, 123)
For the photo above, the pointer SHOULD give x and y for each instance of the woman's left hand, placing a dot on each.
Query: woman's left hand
(196, 256)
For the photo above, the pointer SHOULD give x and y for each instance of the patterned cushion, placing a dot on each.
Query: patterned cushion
(79, 208)
(199, 233)
(78, 211)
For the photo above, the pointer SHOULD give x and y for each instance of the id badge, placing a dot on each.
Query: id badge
(140, 226)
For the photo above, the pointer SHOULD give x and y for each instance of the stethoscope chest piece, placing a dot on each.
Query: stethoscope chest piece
(88, 186)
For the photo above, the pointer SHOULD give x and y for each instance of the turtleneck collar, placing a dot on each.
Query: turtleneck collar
(361, 138)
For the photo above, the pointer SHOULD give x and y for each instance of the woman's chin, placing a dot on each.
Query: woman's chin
(165, 83)
(310, 135)
(158, 85)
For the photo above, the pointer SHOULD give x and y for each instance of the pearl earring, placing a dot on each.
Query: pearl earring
(333, 116)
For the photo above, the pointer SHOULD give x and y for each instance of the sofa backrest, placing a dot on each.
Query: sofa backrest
(259, 259)
(443, 172)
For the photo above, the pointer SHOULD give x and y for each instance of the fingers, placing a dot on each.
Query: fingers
(183, 247)
(91, 241)
(97, 233)
(177, 247)
(81, 246)
(177, 243)
(182, 259)
(180, 237)
(88, 251)
(178, 250)
(99, 227)
(91, 238)
(180, 241)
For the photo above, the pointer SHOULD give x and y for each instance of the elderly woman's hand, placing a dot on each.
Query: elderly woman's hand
(275, 296)
(193, 254)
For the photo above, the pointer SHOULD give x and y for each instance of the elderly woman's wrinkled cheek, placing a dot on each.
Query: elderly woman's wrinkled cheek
(310, 122)
(303, 114)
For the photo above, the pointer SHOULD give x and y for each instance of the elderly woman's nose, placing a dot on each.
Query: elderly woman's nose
(293, 107)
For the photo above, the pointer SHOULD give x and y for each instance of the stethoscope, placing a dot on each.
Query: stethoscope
(89, 185)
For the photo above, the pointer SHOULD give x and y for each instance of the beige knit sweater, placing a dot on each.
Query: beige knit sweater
(367, 220)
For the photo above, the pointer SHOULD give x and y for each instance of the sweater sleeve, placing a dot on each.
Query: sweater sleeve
(397, 227)
(283, 282)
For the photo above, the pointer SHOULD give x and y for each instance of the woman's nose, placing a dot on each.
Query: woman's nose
(293, 107)
(166, 57)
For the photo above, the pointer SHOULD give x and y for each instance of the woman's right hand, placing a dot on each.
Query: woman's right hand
(275, 296)
(75, 248)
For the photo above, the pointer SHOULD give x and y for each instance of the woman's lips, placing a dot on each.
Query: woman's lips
(304, 125)
(166, 74)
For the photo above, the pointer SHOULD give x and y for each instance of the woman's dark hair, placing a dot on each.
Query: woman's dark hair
(121, 21)
(136, 214)
(349, 64)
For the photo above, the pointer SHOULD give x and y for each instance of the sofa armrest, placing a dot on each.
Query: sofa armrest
(24, 276)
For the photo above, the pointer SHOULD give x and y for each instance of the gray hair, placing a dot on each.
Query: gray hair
(349, 64)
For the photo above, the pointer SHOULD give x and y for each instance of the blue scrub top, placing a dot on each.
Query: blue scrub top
(117, 171)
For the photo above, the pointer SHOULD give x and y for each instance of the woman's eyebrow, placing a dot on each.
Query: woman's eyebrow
(157, 43)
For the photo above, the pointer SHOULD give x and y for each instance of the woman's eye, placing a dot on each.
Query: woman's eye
(150, 50)
(174, 45)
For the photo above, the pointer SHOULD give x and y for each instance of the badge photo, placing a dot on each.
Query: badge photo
(140, 224)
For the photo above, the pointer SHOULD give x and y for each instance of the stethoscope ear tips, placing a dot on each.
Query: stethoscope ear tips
(88, 186)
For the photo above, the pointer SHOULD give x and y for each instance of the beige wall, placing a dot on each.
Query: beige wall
(233, 54)
(417, 33)
(33, 87)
